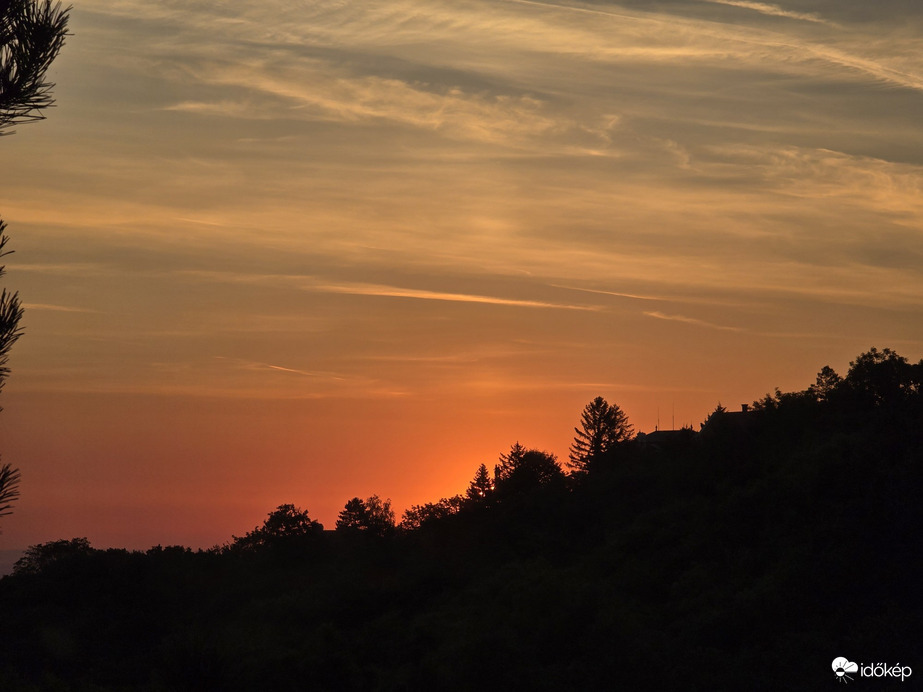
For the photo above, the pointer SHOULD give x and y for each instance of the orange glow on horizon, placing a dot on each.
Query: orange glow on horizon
(305, 252)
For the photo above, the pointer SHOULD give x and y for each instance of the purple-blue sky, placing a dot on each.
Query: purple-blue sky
(300, 251)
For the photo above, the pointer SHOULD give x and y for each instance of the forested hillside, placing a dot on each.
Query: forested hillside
(743, 556)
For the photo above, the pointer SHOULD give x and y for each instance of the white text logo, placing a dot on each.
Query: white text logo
(845, 670)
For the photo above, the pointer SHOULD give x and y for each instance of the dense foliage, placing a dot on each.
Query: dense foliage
(748, 556)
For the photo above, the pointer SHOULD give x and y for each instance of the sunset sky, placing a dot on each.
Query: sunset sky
(286, 251)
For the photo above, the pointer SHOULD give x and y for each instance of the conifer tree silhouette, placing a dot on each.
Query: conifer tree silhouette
(602, 427)
(481, 486)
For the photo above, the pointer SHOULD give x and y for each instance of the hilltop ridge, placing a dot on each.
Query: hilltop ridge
(748, 554)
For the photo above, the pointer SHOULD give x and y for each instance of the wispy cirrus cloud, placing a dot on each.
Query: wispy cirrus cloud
(693, 321)
(418, 294)
(314, 90)
(864, 181)
(46, 307)
(259, 366)
(316, 284)
(432, 152)
(772, 10)
(615, 294)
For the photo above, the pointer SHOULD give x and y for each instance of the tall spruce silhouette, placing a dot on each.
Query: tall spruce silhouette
(602, 427)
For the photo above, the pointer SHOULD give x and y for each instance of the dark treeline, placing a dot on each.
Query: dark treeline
(743, 556)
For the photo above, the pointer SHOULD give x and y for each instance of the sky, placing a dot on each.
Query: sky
(290, 251)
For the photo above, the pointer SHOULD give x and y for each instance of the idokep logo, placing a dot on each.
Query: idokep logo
(842, 667)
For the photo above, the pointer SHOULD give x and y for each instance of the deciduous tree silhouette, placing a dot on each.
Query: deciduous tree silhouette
(418, 515)
(372, 516)
(40, 557)
(602, 427)
(285, 524)
(883, 377)
(739, 541)
(826, 383)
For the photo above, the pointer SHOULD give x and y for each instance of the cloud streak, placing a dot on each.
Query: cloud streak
(692, 320)
(45, 307)
(615, 294)
(771, 10)
(313, 92)
(255, 365)
(418, 294)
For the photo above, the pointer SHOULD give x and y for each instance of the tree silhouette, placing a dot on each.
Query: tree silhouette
(40, 557)
(418, 515)
(31, 35)
(735, 537)
(372, 516)
(353, 515)
(284, 524)
(883, 377)
(481, 486)
(826, 383)
(602, 427)
(525, 469)
(717, 414)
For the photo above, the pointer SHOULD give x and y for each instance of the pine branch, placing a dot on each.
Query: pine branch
(31, 36)
(9, 488)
